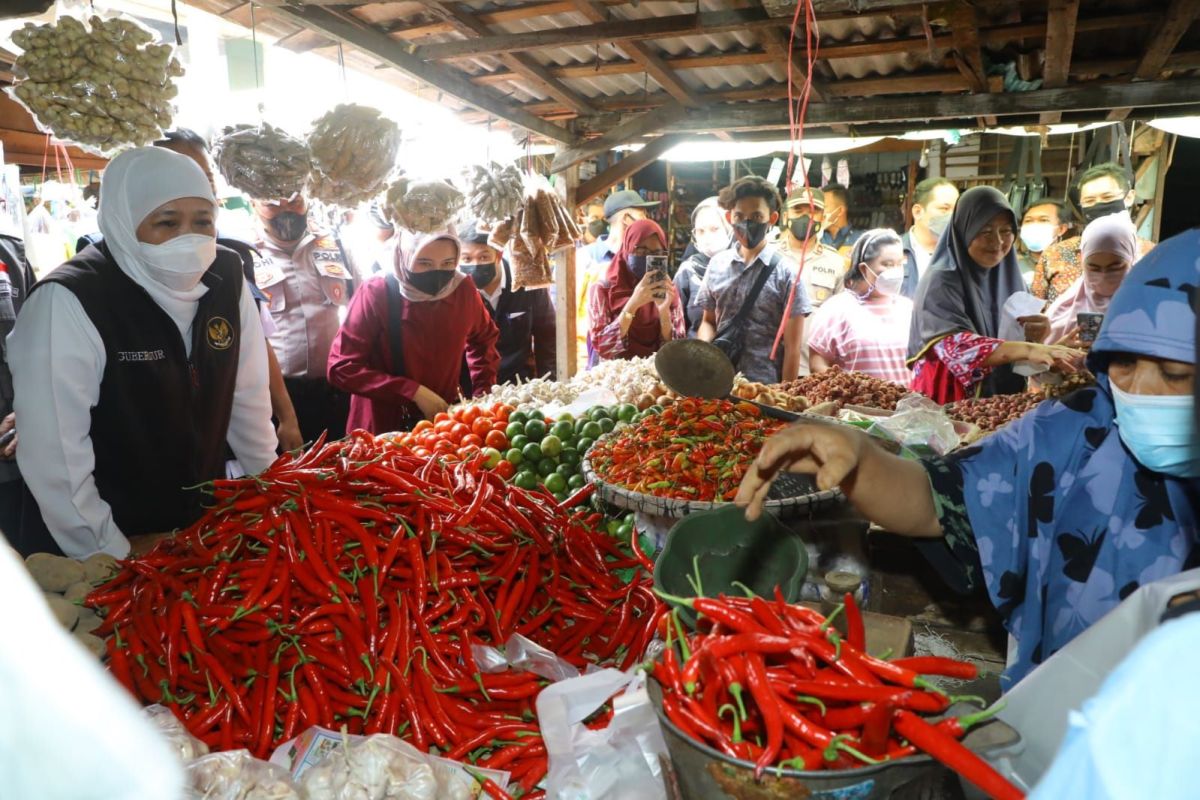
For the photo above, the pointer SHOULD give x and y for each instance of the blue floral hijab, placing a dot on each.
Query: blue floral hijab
(1051, 513)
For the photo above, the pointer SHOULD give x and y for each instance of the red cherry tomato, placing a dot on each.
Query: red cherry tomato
(443, 446)
(469, 414)
(481, 426)
(459, 431)
(471, 440)
(505, 469)
(497, 439)
(423, 425)
(441, 416)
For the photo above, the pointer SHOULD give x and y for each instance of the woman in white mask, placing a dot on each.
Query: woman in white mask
(865, 328)
(711, 234)
(131, 367)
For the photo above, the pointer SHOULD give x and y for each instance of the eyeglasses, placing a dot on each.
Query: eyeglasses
(642, 252)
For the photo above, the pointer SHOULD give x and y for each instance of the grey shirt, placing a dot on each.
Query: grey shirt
(727, 283)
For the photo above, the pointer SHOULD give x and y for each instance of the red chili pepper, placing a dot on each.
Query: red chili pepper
(856, 633)
(933, 665)
(770, 708)
(954, 755)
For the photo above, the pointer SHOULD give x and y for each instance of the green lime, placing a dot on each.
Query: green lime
(626, 530)
(566, 470)
(560, 497)
(535, 414)
(598, 413)
(563, 429)
(570, 456)
(579, 423)
(546, 467)
(585, 445)
(566, 416)
(592, 430)
(525, 480)
(519, 441)
(493, 457)
(556, 483)
(518, 417)
(626, 412)
(607, 425)
(612, 525)
(654, 410)
(535, 429)
(552, 445)
(577, 481)
(532, 452)
(514, 457)
(514, 429)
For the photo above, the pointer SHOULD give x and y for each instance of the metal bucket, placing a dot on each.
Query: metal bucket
(698, 772)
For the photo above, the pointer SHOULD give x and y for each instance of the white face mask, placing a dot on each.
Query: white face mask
(181, 262)
(889, 281)
(712, 243)
(1037, 236)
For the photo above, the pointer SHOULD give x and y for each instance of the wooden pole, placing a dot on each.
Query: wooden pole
(565, 307)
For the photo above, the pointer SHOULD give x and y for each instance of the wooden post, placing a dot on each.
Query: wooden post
(564, 291)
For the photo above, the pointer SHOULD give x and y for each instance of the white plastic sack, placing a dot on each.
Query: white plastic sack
(918, 421)
(523, 654)
(1039, 706)
(620, 762)
(186, 746)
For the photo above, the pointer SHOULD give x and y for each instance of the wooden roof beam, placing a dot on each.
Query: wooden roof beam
(629, 165)
(521, 63)
(1161, 42)
(913, 111)
(612, 32)
(650, 62)
(354, 33)
(776, 42)
(632, 130)
(1060, 42)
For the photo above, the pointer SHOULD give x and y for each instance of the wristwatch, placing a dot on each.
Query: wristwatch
(627, 314)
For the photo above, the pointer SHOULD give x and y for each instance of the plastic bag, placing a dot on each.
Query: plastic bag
(263, 161)
(353, 151)
(103, 84)
(619, 762)
(422, 206)
(520, 653)
(919, 422)
(187, 746)
(237, 775)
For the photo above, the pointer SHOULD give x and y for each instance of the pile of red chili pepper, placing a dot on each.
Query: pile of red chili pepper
(777, 686)
(694, 450)
(346, 585)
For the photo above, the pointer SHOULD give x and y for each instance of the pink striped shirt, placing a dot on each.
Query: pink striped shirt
(863, 337)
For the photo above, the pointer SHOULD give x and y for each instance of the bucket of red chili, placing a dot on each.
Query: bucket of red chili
(767, 699)
(691, 457)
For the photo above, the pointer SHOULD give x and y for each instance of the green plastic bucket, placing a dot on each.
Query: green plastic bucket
(726, 549)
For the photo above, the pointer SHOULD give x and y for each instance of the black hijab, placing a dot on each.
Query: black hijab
(956, 294)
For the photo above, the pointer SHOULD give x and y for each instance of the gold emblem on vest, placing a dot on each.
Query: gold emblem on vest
(220, 333)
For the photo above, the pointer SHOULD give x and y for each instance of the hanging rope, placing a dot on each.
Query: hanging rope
(342, 65)
(175, 18)
(254, 49)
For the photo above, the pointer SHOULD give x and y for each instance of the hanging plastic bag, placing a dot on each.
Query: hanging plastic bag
(618, 762)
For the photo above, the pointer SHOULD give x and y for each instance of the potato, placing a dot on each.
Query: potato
(99, 568)
(54, 573)
(88, 621)
(77, 591)
(93, 643)
(66, 613)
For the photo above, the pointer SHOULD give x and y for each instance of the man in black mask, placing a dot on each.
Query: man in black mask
(1103, 189)
(751, 290)
(307, 280)
(525, 316)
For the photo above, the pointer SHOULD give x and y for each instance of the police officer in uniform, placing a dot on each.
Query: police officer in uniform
(136, 362)
(307, 280)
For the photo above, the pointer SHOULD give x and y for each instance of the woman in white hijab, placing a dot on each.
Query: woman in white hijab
(130, 366)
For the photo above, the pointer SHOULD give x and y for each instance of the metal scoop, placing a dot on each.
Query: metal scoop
(695, 368)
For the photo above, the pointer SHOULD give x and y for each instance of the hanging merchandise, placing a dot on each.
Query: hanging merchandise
(540, 228)
(422, 206)
(843, 172)
(495, 191)
(263, 161)
(354, 151)
(104, 85)
(1021, 191)
(826, 171)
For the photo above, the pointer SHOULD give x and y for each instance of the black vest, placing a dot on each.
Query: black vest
(161, 420)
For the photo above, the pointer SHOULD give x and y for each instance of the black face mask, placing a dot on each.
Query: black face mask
(288, 225)
(1093, 213)
(803, 227)
(482, 274)
(751, 234)
(431, 282)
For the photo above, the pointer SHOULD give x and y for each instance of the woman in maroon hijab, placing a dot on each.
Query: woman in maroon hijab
(633, 311)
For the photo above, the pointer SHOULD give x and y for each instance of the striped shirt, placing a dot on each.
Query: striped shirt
(863, 337)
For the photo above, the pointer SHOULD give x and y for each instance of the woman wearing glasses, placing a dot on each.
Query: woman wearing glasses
(952, 345)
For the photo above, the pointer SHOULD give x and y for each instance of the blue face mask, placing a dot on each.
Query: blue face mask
(1160, 431)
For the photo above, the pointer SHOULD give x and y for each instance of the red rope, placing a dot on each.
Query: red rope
(797, 111)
